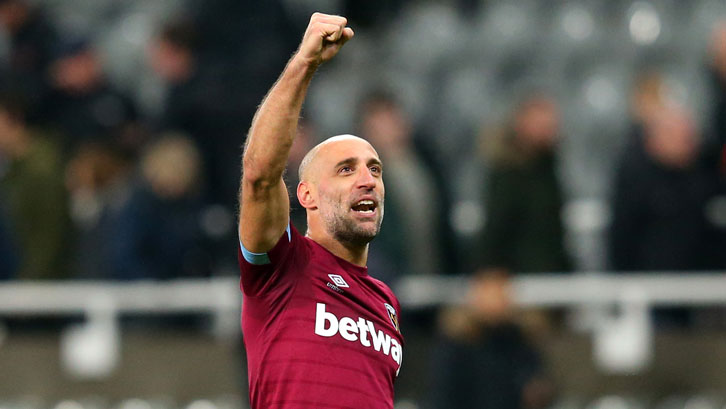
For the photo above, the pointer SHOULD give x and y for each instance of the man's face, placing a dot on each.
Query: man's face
(170, 62)
(350, 192)
(537, 124)
(77, 74)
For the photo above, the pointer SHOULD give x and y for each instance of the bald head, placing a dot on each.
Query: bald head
(341, 189)
(306, 171)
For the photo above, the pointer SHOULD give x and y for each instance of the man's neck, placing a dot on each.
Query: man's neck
(354, 254)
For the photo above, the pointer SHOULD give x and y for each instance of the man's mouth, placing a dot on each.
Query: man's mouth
(365, 206)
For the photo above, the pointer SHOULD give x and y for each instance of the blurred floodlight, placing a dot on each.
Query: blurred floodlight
(136, 28)
(427, 35)
(578, 23)
(510, 20)
(406, 404)
(135, 403)
(623, 343)
(91, 350)
(230, 401)
(600, 94)
(586, 215)
(468, 93)
(701, 402)
(610, 402)
(202, 404)
(467, 217)
(68, 404)
(644, 23)
(716, 211)
(217, 221)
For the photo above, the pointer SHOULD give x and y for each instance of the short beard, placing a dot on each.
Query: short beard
(346, 231)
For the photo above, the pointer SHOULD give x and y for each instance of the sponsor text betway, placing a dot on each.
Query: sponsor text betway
(327, 325)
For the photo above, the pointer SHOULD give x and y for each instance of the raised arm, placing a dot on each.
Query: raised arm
(264, 204)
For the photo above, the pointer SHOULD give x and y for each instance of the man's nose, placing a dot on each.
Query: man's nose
(366, 179)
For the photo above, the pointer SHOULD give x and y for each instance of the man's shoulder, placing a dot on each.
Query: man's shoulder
(386, 290)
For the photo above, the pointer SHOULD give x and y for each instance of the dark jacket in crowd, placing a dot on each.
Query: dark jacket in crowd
(523, 230)
(29, 56)
(37, 204)
(203, 108)
(488, 371)
(100, 115)
(159, 238)
(659, 216)
(8, 252)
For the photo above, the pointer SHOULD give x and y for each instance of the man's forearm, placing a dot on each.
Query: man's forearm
(264, 202)
(275, 123)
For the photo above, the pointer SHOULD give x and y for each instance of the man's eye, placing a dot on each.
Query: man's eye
(345, 169)
(375, 169)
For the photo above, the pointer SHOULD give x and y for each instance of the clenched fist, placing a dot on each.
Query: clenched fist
(323, 38)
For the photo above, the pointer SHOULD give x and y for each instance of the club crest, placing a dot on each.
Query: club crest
(392, 315)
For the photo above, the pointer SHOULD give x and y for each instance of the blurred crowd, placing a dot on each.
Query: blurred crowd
(93, 186)
(98, 183)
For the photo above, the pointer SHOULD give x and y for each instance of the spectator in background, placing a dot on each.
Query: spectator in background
(144, 226)
(659, 199)
(523, 230)
(84, 105)
(715, 146)
(717, 70)
(8, 253)
(98, 178)
(32, 184)
(159, 234)
(199, 102)
(482, 358)
(31, 43)
(414, 236)
(649, 96)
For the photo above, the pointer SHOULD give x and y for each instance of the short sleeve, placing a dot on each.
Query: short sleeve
(260, 272)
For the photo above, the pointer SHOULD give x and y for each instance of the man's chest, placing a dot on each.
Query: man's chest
(347, 315)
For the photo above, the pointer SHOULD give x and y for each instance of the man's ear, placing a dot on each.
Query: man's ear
(306, 195)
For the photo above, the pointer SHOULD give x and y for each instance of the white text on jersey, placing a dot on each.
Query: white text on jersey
(327, 325)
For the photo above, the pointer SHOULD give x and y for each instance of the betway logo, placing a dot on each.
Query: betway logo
(327, 325)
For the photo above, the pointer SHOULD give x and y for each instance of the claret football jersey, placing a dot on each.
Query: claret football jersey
(319, 331)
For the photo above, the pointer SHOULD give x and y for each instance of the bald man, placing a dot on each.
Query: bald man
(319, 331)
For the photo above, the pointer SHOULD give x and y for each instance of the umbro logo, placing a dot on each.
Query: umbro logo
(338, 280)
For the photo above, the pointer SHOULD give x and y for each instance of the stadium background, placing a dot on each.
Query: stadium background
(116, 327)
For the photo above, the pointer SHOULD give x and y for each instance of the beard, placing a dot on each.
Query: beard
(345, 229)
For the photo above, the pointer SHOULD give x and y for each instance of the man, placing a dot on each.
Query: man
(84, 104)
(31, 187)
(524, 231)
(30, 40)
(319, 331)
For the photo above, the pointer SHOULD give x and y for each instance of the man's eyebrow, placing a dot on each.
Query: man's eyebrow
(346, 161)
(375, 161)
(352, 160)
